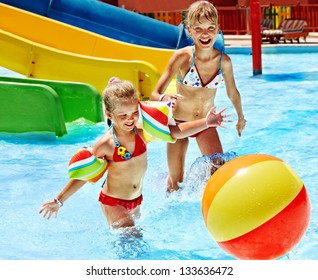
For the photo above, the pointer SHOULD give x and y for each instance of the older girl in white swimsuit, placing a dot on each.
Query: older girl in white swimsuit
(200, 69)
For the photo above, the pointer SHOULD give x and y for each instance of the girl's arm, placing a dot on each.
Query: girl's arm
(233, 93)
(189, 128)
(54, 205)
(174, 64)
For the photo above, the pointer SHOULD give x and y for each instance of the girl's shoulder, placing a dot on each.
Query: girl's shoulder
(184, 53)
(225, 56)
(104, 145)
(226, 62)
(182, 57)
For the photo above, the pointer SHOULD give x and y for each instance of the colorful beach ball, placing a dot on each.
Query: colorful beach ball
(256, 207)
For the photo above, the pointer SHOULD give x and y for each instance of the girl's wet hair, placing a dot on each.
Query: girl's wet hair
(201, 9)
(116, 92)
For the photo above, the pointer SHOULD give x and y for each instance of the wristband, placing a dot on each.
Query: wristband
(58, 202)
(162, 97)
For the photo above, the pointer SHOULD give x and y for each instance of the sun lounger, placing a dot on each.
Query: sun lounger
(289, 29)
(266, 24)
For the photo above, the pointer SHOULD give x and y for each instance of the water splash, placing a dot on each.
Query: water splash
(203, 168)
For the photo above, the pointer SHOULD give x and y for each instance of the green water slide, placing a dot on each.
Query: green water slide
(45, 105)
(30, 108)
(79, 100)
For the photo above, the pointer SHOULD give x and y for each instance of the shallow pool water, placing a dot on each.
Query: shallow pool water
(281, 107)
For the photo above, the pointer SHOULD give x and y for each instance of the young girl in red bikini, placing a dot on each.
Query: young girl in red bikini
(124, 148)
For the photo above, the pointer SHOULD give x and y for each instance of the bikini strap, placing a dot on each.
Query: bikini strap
(192, 56)
(221, 61)
(179, 80)
(117, 144)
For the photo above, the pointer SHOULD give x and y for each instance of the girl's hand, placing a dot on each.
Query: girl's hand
(214, 119)
(241, 123)
(49, 208)
(168, 97)
(171, 97)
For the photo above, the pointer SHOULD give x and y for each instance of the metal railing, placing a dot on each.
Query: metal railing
(236, 20)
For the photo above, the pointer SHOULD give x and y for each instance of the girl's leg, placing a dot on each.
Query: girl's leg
(209, 142)
(135, 213)
(118, 216)
(176, 153)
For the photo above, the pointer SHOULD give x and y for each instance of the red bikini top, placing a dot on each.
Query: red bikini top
(121, 153)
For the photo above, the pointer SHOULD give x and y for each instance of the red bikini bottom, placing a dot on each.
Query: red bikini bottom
(113, 201)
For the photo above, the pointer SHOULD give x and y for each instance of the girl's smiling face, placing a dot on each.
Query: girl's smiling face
(203, 32)
(126, 114)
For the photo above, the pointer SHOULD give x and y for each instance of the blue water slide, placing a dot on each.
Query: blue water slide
(109, 21)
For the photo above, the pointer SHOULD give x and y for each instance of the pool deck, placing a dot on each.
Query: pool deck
(243, 44)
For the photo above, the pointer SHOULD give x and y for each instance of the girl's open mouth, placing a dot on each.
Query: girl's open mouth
(205, 42)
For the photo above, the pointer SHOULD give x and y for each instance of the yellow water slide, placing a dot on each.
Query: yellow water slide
(39, 61)
(27, 47)
(69, 38)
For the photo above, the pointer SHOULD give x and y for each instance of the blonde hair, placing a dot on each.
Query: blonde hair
(118, 91)
(201, 9)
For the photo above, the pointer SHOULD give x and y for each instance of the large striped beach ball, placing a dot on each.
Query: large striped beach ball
(256, 207)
